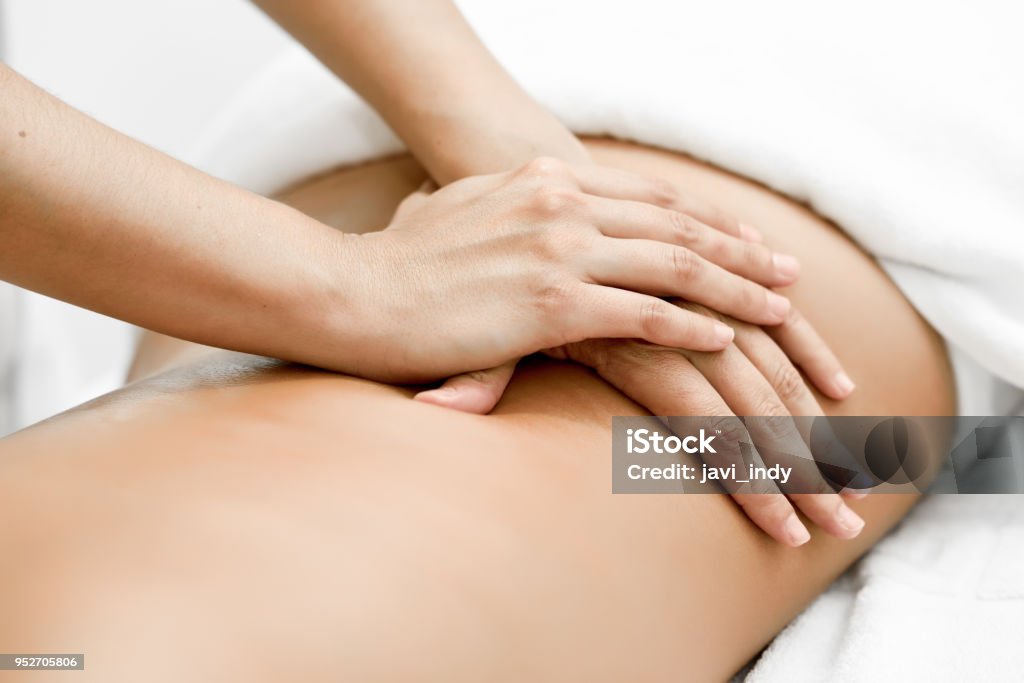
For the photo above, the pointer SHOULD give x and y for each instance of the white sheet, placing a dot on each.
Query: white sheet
(899, 121)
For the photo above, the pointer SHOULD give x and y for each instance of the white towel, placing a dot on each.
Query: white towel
(940, 599)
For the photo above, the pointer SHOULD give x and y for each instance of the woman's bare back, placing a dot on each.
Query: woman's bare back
(235, 518)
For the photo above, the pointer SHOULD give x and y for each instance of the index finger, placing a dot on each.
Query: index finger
(805, 347)
(666, 383)
(615, 184)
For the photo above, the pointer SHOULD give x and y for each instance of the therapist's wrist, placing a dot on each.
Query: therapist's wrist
(489, 150)
(480, 137)
(329, 318)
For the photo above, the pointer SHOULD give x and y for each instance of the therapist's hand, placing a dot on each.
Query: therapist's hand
(752, 377)
(719, 238)
(461, 114)
(492, 268)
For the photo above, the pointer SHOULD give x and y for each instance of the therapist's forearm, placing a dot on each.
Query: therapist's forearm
(469, 277)
(419, 64)
(92, 217)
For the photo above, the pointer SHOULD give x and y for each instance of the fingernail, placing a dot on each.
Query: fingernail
(724, 334)
(844, 385)
(750, 233)
(779, 305)
(853, 494)
(850, 521)
(785, 265)
(442, 393)
(796, 532)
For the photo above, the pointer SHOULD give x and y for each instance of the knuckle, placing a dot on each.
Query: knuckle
(793, 318)
(788, 383)
(760, 256)
(729, 429)
(544, 167)
(653, 318)
(729, 223)
(755, 258)
(721, 250)
(684, 227)
(663, 193)
(551, 296)
(771, 407)
(724, 221)
(558, 245)
(554, 201)
(750, 297)
(685, 263)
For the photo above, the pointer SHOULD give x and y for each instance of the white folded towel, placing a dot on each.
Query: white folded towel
(940, 599)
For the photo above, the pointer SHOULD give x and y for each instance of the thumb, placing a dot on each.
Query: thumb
(473, 392)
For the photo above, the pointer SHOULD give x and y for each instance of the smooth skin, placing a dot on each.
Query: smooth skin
(238, 519)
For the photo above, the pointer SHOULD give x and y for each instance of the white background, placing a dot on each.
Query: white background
(155, 70)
